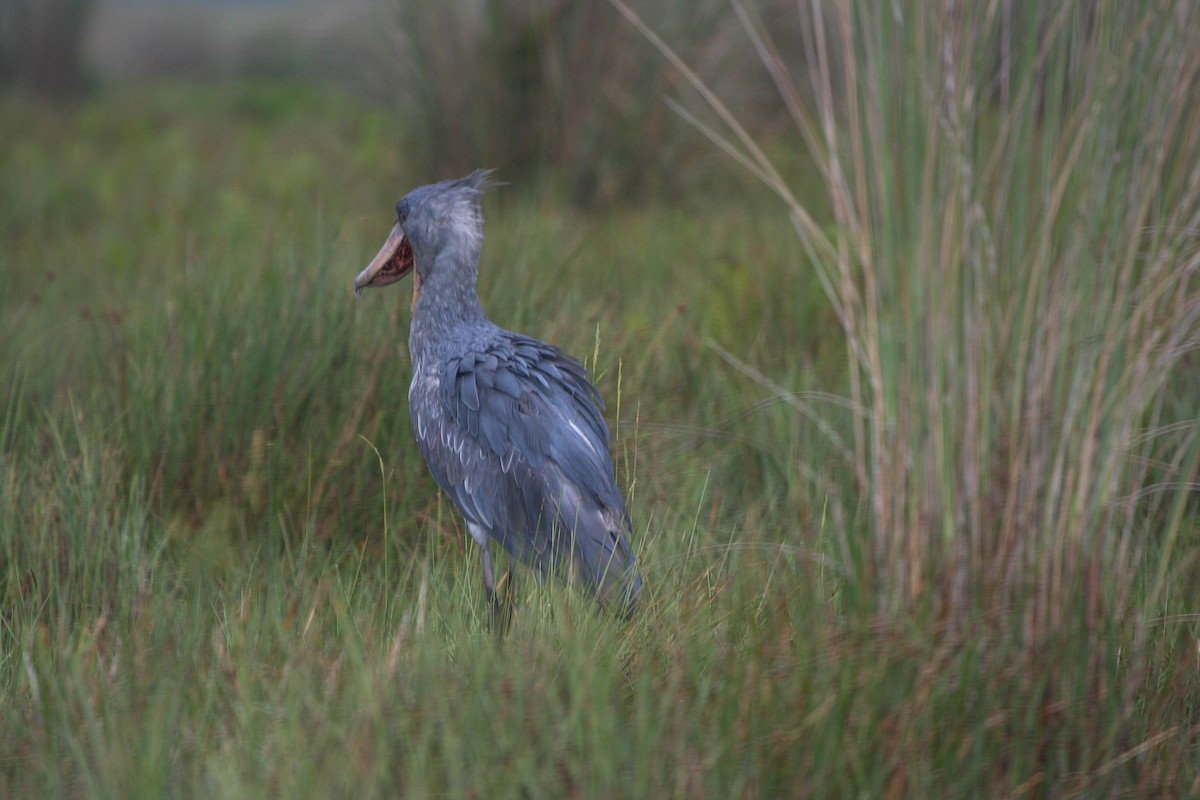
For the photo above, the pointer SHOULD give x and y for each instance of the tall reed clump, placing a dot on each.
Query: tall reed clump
(1013, 263)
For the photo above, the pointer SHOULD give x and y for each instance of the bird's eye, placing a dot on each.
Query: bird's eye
(401, 212)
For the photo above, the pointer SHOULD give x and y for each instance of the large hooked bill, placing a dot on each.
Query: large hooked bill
(393, 261)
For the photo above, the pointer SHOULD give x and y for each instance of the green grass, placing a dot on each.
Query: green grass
(225, 572)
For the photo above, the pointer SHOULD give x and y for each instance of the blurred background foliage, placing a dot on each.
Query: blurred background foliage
(561, 91)
(41, 45)
(551, 90)
(554, 89)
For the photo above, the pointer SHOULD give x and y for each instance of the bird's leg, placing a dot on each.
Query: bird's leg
(499, 595)
(499, 611)
(489, 578)
(506, 594)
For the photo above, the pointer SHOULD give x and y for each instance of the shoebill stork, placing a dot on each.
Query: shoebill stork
(511, 428)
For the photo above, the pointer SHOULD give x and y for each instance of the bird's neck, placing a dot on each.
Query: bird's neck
(445, 308)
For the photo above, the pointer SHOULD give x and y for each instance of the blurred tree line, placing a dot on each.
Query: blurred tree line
(41, 45)
(547, 90)
(556, 89)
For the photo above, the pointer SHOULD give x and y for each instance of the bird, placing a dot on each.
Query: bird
(511, 428)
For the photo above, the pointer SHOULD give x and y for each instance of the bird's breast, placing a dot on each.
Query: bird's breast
(424, 407)
(422, 392)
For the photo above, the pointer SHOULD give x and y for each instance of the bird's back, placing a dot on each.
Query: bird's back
(512, 429)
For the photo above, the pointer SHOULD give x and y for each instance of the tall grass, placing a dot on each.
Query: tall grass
(1015, 276)
(1013, 263)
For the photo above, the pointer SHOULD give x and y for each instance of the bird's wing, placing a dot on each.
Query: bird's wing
(527, 400)
(520, 440)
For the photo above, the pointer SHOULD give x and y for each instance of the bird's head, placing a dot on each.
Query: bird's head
(431, 221)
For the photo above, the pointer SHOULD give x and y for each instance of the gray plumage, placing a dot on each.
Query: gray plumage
(510, 427)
